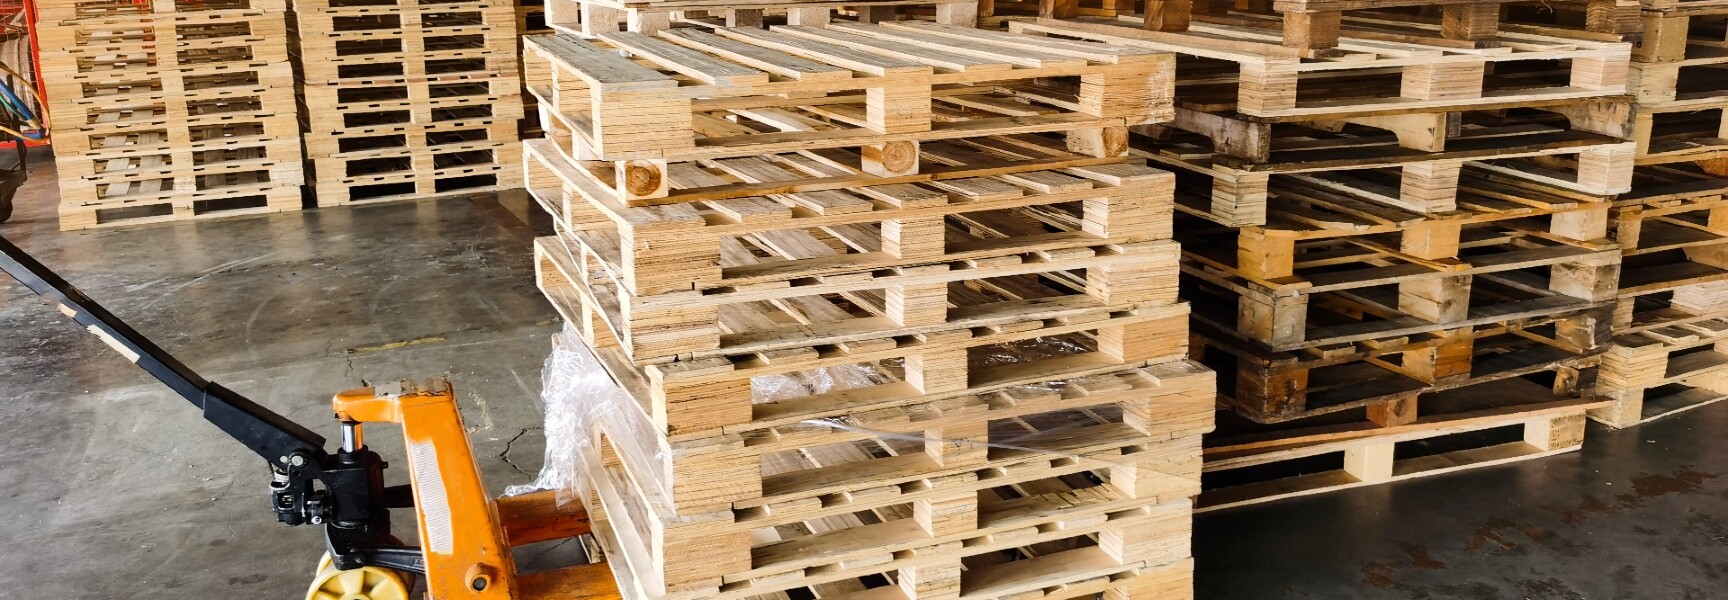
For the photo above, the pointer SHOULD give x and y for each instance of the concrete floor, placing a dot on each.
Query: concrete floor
(111, 488)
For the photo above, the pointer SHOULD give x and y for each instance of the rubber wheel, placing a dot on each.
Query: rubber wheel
(364, 583)
(6, 205)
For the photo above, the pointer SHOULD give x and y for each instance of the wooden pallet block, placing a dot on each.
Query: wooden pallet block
(162, 208)
(1243, 63)
(1385, 377)
(1663, 371)
(591, 18)
(1494, 423)
(879, 89)
(1137, 430)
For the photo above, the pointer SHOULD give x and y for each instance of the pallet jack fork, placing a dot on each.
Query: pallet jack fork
(466, 536)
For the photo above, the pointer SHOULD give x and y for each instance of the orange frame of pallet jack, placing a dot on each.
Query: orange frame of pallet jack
(465, 535)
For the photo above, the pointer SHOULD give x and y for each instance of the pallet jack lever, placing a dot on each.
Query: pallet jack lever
(343, 491)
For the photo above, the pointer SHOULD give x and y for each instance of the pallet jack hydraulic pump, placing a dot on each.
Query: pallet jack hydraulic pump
(465, 535)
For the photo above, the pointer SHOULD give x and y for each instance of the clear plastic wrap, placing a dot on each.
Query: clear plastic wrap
(570, 373)
(581, 400)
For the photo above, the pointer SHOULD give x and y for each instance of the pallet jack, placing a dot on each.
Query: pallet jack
(466, 536)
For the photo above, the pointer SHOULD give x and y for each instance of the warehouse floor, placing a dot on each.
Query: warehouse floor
(115, 489)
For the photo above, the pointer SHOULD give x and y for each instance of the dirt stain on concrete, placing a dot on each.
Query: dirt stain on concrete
(1644, 487)
(1379, 574)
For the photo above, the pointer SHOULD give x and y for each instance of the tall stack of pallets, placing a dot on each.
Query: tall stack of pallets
(169, 110)
(406, 99)
(1670, 322)
(1395, 235)
(745, 211)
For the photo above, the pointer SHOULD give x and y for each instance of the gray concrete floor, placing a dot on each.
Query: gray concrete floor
(112, 488)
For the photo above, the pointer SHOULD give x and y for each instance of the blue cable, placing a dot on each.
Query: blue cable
(17, 106)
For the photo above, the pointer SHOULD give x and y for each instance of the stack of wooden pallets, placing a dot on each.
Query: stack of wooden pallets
(530, 20)
(1673, 225)
(744, 210)
(589, 17)
(408, 100)
(169, 110)
(1395, 236)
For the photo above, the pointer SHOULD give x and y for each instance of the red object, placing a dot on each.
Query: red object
(29, 9)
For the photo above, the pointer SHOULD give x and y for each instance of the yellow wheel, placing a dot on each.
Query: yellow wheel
(364, 583)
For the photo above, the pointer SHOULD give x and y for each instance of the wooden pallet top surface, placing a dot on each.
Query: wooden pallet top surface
(734, 62)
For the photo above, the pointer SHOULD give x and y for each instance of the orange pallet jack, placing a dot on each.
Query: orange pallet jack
(466, 536)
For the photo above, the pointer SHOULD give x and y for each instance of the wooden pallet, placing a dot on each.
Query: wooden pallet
(1238, 141)
(883, 87)
(1613, 20)
(1239, 66)
(1494, 423)
(1293, 296)
(1366, 315)
(64, 10)
(1316, 28)
(1673, 229)
(606, 16)
(171, 34)
(1385, 377)
(371, 178)
(1663, 371)
(179, 206)
(73, 91)
(674, 273)
(195, 124)
(109, 173)
(337, 42)
(691, 507)
(458, 56)
(399, 101)
(165, 110)
(1540, 162)
(375, 176)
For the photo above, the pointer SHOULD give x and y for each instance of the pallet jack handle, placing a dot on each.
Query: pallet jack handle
(466, 536)
(266, 433)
